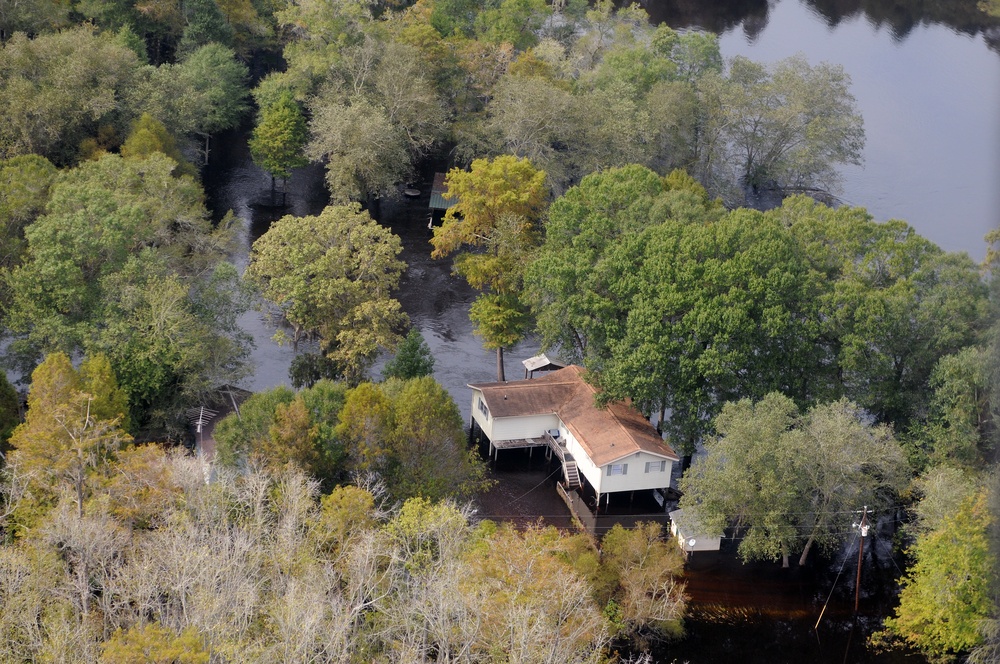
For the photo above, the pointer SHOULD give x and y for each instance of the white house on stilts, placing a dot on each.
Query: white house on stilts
(612, 449)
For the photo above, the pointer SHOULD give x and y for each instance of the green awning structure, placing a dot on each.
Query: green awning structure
(438, 201)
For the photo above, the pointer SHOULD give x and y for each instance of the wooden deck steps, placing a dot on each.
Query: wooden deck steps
(571, 473)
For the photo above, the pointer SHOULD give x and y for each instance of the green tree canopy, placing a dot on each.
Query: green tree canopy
(735, 324)
(57, 89)
(149, 135)
(33, 17)
(891, 304)
(582, 226)
(74, 421)
(363, 151)
(961, 420)
(786, 126)
(680, 306)
(239, 436)
(280, 426)
(24, 190)
(646, 569)
(125, 262)
(10, 411)
(376, 113)
(787, 482)
(155, 644)
(206, 24)
(205, 93)
(947, 593)
(413, 358)
(279, 137)
(512, 21)
(410, 433)
(332, 276)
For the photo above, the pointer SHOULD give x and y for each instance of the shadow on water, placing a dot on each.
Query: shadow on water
(768, 614)
(524, 492)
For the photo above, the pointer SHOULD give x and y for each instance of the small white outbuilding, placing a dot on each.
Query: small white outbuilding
(690, 534)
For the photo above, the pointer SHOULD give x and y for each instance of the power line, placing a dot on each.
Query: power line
(831, 590)
(792, 525)
(534, 487)
(863, 530)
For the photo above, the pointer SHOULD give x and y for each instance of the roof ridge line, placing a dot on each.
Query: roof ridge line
(607, 406)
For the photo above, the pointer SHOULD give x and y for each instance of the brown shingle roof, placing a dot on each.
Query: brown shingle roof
(606, 434)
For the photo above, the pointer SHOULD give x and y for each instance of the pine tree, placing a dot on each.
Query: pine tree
(413, 358)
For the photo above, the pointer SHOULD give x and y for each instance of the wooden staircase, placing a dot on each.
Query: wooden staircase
(571, 473)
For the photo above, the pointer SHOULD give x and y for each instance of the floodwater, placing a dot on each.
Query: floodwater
(927, 86)
(436, 301)
(929, 91)
(760, 611)
(767, 614)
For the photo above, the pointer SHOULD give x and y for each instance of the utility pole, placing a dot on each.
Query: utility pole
(863, 527)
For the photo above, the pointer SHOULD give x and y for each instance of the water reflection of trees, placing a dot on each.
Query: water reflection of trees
(897, 16)
(718, 16)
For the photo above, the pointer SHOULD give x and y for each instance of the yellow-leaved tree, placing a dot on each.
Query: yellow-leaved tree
(494, 223)
(75, 419)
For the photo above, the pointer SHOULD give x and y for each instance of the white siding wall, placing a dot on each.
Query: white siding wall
(583, 462)
(486, 424)
(513, 428)
(637, 477)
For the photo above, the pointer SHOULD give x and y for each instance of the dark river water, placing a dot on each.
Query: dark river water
(759, 612)
(928, 86)
(926, 77)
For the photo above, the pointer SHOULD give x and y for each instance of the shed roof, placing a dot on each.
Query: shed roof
(541, 362)
(438, 190)
(607, 434)
(689, 525)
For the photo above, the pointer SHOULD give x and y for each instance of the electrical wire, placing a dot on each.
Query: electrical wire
(825, 513)
(875, 540)
(534, 487)
(832, 588)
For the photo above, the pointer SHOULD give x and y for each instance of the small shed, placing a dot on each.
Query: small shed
(540, 363)
(438, 191)
(690, 534)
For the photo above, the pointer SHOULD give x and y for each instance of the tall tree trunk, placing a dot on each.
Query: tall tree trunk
(805, 550)
(79, 495)
(809, 542)
(500, 374)
(78, 475)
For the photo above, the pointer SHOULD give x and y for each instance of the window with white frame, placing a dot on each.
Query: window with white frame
(482, 408)
(656, 466)
(618, 469)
